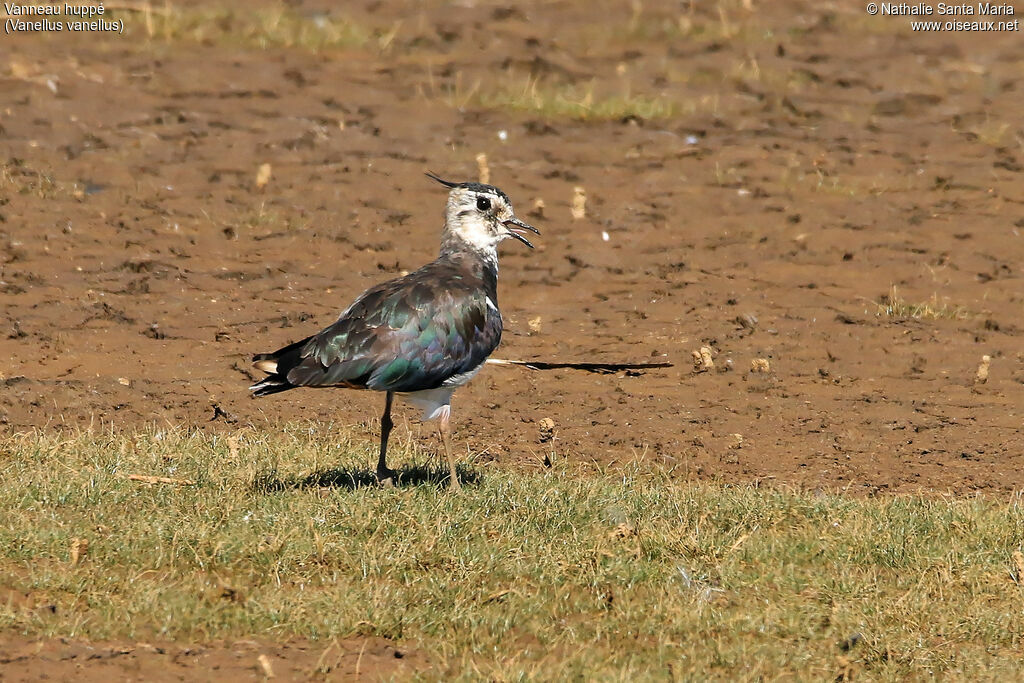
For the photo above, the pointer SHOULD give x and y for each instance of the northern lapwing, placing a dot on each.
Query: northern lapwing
(420, 336)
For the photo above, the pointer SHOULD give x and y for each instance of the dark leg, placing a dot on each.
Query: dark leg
(445, 428)
(383, 473)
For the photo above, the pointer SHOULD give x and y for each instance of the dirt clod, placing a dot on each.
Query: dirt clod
(981, 376)
(265, 666)
(263, 176)
(79, 547)
(483, 170)
(547, 429)
(703, 359)
(579, 203)
(538, 208)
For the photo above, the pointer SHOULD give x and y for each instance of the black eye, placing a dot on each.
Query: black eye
(483, 203)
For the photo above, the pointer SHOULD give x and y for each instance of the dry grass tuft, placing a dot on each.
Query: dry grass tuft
(895, 306)
(15, 175)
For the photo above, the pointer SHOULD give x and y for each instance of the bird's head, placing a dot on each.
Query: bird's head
(480, 216)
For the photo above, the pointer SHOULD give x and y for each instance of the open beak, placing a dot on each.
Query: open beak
(519, 229)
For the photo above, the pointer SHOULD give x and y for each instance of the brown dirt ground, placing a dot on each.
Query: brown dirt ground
(819, 158)
(23, 660)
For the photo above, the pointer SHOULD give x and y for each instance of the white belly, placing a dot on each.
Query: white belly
(435, 402)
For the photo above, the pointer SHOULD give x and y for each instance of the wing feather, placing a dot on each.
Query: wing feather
(409, 334)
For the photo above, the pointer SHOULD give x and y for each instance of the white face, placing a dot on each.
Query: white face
(479, 217)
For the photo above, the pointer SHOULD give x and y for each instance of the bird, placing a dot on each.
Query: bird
(418, 337)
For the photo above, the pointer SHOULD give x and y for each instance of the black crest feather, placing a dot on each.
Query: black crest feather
(446, 183)
(475, 187)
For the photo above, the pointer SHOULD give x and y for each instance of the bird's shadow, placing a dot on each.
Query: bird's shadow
(356, 478)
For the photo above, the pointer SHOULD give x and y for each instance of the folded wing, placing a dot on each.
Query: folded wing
(409, 334)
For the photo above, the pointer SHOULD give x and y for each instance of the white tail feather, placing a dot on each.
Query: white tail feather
(267, 366)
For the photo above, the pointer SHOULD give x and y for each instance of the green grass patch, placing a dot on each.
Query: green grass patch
(534, 96)
(558, 573)
(253, 28)
(316, 32)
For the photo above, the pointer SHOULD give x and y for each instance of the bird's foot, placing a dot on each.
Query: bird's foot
(453, 482)
(386, 477)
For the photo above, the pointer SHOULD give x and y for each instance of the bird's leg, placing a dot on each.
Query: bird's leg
(445, 429)
(383, 473)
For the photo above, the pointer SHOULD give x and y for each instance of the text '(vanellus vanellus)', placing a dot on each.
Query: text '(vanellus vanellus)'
(420, 336)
